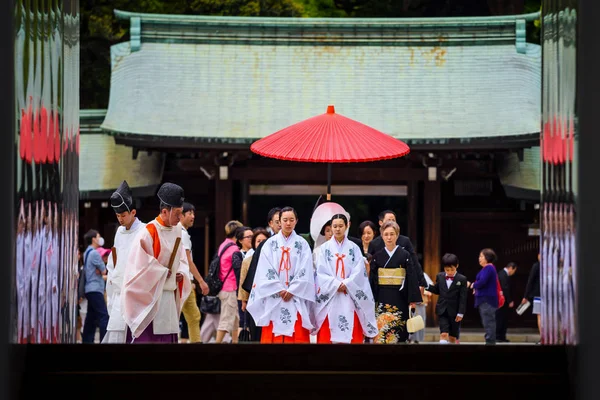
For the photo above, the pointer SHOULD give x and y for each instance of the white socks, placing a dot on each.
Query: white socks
(442, 341)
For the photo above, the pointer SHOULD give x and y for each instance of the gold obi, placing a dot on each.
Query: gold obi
(391, 276)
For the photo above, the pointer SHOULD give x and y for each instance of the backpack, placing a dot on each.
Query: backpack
(81, 282)
(213, 280)
(501, 298)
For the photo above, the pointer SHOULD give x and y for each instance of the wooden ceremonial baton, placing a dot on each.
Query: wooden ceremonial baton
(174, 253)
(172, 261)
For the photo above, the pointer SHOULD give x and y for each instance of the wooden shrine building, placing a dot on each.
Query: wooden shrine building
(189, 94)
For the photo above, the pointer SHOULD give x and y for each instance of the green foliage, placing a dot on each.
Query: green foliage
(322, 9)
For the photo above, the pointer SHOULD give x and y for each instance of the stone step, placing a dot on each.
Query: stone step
(477, 336)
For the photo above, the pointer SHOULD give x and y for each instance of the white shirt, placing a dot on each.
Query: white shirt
(186, 239)
(448, 282)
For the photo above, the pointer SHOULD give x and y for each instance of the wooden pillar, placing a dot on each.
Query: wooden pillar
(413, 202)
(245, 195)
(432, 220)
(206, 244)
(223, 204)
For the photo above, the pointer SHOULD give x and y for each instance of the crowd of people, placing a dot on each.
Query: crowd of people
(273, 285)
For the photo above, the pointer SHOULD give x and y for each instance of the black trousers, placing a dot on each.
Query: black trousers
(96, 317)
(501, 322)
(255, 331)
(184, 327)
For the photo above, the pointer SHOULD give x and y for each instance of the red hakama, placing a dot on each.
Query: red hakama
(324, 335)
(301, 335)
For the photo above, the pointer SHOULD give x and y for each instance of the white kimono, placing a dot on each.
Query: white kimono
(28, 286)
(36, 263)
(116, 331)
(48, 261)
(337, 264)
(284, 264)
(41, 303)
(53, 259)
(147, 294)
(21, 277)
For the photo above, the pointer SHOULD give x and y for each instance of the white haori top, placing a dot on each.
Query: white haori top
(147, 295)
(124, 239)
(284, 264)
(339, 263)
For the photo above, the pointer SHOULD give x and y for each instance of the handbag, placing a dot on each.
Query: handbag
(501, 298)
(245, 335)
(415, 323)
(212, 304)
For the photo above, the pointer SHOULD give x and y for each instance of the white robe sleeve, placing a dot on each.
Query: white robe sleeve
(110, 288)
(327, 282)
(143, 282)
(359, 290)
(266, 284)
(303, 283)
(266, 280)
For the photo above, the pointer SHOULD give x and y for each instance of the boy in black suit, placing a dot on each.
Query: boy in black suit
(452, 303)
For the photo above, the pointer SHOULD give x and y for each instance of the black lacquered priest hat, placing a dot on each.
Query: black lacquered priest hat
(171, 194)
(122, 199)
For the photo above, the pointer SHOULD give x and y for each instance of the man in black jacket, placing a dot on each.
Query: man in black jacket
(532, 291)
(402, 241)
(502, 312)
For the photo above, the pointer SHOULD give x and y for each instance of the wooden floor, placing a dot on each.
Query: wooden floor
(208, 371)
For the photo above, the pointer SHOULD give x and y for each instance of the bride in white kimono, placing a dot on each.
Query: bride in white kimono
(345, 306)
(122, 203)
(284, 291)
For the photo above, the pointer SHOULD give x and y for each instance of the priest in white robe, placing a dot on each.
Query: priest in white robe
(345, 306)
(152, 293)
(283, 293)
(122, 203)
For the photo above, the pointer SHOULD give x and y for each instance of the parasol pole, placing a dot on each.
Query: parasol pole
(328, 181)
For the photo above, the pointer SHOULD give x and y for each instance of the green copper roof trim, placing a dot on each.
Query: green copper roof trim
(326, 31)
(92, 113)
(521, 36)
(118, 51)
(183, 19)
(90, 120)
(136, 33)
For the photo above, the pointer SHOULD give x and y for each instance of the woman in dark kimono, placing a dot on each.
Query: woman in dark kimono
(395, 286)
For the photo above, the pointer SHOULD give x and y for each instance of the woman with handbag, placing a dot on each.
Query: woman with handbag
(395, 285)
(229, 320)
(485, 289)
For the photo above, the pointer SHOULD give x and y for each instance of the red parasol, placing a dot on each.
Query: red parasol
(330, 138)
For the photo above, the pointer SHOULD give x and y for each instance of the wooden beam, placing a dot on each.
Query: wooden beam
(488, 215)
(223, 212)
(431, 238)
(340, 174)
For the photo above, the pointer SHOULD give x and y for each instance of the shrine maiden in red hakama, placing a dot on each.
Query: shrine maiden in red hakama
(284, 291)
